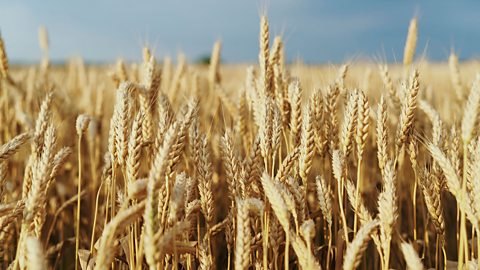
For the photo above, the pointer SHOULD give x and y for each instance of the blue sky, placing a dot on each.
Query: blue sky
(314, 30)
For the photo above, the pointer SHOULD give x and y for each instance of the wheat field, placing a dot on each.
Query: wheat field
(156, 165)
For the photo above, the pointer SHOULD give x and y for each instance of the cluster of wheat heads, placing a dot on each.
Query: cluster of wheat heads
(195, 168)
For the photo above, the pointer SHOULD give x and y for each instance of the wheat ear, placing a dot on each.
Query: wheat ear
(213, 72)
(243, 237)
(408, 111)
(35, 256)
(387, 211)
(455, 76)
(471, 111)
(11, 147)
(411, 257)
(411, 43)
(349, 123)
(357, 247)
(3, 59)
(125, 217)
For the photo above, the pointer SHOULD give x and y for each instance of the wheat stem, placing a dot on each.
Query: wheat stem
(79, 190)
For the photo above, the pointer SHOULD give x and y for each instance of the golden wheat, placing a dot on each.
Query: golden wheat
(222, 166)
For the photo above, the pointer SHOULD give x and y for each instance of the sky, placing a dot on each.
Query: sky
(314, 31)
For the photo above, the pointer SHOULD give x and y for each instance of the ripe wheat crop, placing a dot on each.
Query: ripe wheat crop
(153, 165)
